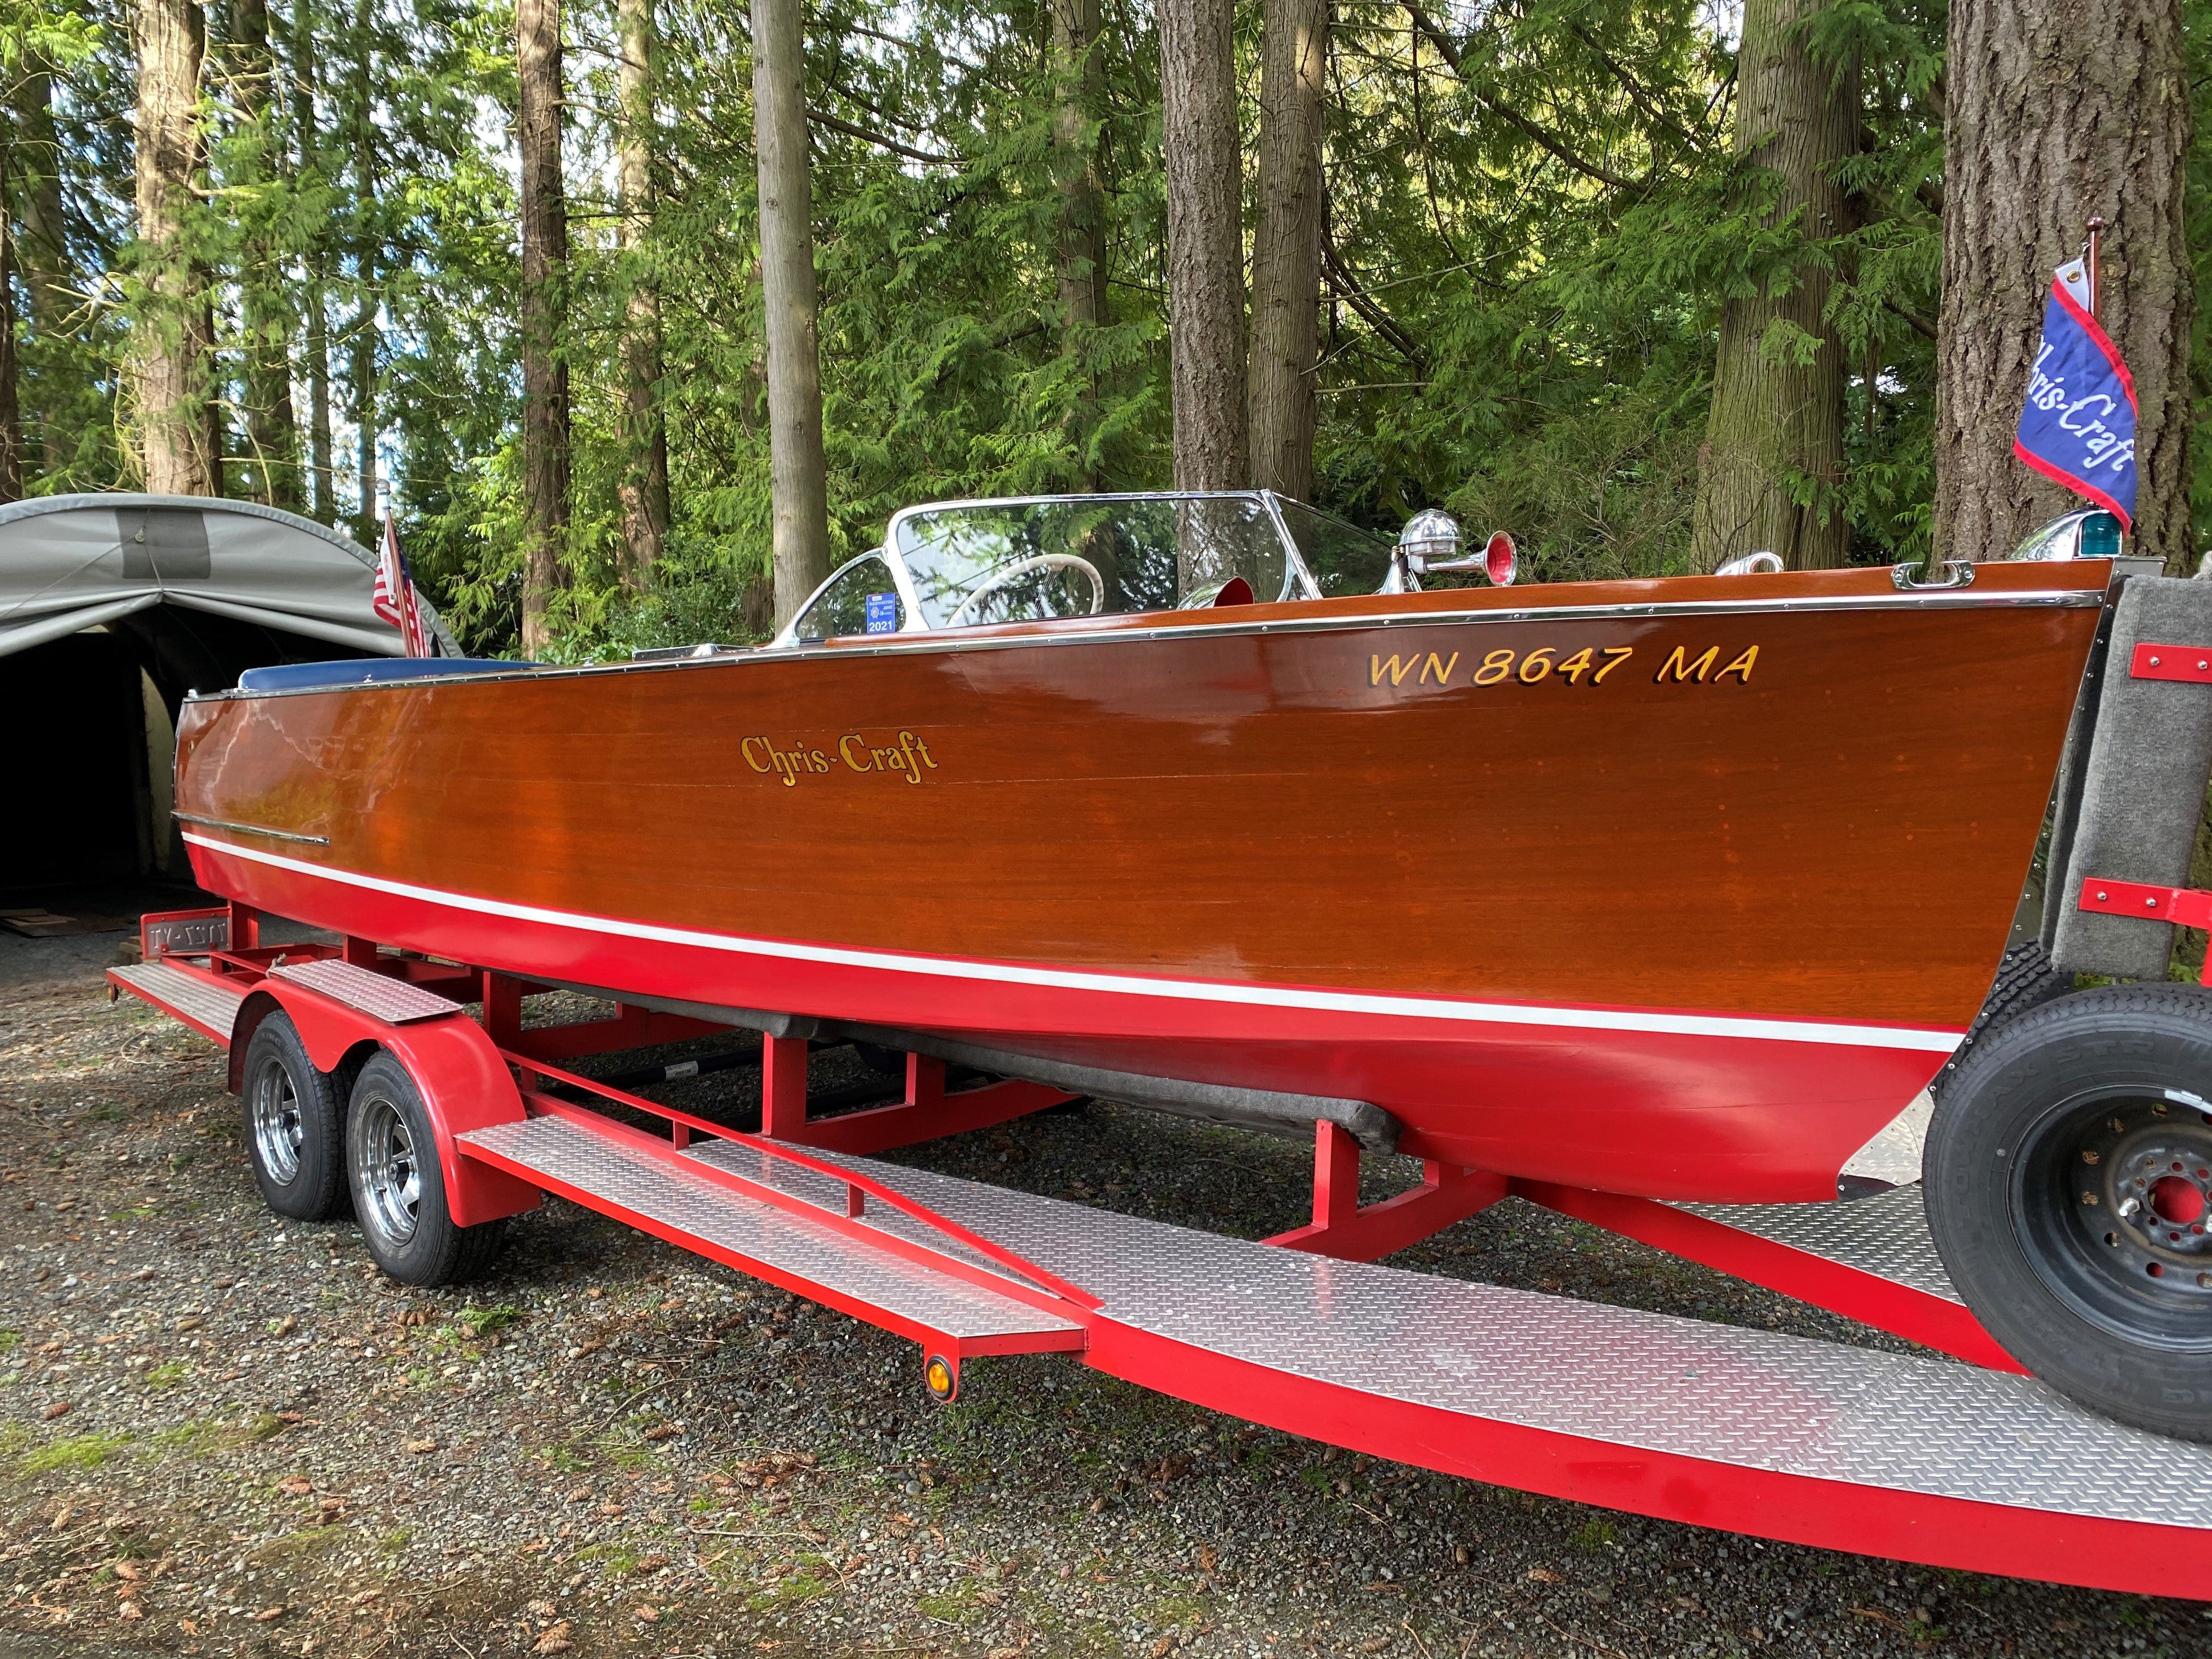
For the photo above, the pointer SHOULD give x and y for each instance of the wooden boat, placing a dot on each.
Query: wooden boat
(1680, 888)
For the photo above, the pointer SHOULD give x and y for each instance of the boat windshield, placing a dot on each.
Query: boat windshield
(1029, 561)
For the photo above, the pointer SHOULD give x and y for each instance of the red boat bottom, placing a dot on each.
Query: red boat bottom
(1671, 1104)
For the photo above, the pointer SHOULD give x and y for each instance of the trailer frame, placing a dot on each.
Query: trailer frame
(1972, 1466)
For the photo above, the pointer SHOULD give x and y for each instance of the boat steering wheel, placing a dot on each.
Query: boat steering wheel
(1000, 578)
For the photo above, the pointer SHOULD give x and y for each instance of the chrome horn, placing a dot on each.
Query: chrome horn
(1431, 541)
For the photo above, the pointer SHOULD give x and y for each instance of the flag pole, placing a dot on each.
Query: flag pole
(2096, 237)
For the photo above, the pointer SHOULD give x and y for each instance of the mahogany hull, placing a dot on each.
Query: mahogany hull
(1692, 920)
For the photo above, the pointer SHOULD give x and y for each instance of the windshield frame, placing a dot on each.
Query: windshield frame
(1301, 580)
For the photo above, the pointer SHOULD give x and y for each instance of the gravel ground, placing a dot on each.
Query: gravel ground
(223, 1435)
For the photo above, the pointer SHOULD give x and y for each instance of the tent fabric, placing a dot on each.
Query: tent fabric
(68, 563)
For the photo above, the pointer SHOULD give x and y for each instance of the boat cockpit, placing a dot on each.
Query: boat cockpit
(959, 564)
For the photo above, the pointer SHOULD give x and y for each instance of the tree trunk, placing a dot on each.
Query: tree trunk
(1205, 243)
(796, 467)
(1778, 422)
(171, 346)
(544, 272)
(1079, 79)
(42, 250)
(1286, 246)
(1079, 82)
(321, 474)
(366, 337)
(644, 488)
(272, 431)
(11, 420)
(2055, 116)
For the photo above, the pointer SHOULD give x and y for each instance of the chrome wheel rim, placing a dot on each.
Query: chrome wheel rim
(277, 1128)
(390, 1177)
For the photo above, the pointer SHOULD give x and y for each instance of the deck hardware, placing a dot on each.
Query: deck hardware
(1957, 573)
(251, 830)
(1761, 563)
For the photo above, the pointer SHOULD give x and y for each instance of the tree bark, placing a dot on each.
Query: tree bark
(2057, 113)
(42, 250)
(272, 431)
(1775, 419)
(1206, 244)
(798, 473)
(1286, 246)
(11, 418)
(644, 487)
(172, 347)
(1079, 79)
(366, 337)
(321, 473)
(544, 270)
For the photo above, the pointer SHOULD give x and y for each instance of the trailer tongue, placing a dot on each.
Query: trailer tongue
(1961, 1465)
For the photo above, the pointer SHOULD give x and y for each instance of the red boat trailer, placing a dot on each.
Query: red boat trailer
(1963, 1465)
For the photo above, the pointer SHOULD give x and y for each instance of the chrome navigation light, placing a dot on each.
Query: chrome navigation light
(1431, 537)
(2085, 533)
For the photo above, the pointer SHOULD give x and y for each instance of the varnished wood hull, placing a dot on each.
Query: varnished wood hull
(1694, 925)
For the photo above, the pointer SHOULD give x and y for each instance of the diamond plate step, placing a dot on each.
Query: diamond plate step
(208, 1008)
(652, 1187)
(1618, 1377)
(380, 996)
(1885, 1235)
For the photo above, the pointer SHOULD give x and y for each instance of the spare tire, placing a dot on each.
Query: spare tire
(2026, 980)
(2067, 1176)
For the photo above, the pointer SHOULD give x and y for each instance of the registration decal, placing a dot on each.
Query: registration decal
(1590, 666)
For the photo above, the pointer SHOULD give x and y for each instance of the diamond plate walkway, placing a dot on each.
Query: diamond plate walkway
(1758, 1432)
(641, 1180)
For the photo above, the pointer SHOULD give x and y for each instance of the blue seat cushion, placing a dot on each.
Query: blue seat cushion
(369, 671)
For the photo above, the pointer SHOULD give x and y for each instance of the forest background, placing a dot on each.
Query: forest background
(1648, 282)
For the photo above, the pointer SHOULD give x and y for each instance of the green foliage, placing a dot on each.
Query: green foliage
(1534, 219)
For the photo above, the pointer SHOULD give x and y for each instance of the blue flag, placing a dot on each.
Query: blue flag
(2078, 426)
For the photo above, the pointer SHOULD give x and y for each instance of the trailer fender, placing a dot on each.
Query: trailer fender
(464, 1083)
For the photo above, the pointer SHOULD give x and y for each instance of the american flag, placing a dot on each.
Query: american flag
(393, 596)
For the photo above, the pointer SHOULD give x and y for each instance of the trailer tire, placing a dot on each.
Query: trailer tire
(294, 1124)
(2026, 981)
(2067, 1176)
(399, 1185)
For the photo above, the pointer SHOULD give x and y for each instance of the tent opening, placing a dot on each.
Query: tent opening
(112, 609)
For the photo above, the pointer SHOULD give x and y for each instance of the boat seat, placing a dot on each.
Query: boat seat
(365, 670)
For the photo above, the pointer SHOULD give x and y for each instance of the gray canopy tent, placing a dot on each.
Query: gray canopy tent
(112, 607)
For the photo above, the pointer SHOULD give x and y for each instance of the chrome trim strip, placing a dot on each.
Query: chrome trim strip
(1770, 1028)
(255, 829)
(946, 640)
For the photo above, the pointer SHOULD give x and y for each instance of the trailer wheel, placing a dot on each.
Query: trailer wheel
(294, 1124)
(2069, 1180)
(2026, 980)
(399, 1187)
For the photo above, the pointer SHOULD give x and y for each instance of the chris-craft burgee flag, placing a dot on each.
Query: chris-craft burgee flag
(393, 596)
(2078, 426)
